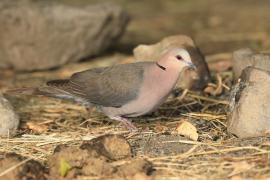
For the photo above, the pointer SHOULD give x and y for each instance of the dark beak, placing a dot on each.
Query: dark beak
(191, 65)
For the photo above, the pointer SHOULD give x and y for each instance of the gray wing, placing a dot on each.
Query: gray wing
(111, 87)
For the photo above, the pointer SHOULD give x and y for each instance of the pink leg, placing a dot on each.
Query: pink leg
(126, 123)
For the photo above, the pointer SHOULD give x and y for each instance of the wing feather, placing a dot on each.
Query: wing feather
(110, 87)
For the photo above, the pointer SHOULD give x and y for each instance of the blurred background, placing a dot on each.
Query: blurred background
(215, 25)
(41, 35)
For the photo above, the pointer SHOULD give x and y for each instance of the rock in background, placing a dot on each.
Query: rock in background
(250, 105)
(246, 57)
(38, 35)
(9, 120)
(191, 79)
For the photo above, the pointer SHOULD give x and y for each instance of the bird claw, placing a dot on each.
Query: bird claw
(129, 125)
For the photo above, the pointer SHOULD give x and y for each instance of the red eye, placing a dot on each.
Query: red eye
(179, 57)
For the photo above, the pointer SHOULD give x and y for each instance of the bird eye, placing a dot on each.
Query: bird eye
(179, 57)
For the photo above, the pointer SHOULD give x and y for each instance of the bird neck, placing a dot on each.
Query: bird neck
(164, 76)
(160, 66)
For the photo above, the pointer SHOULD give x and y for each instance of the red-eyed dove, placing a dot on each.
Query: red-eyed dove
(124, 90)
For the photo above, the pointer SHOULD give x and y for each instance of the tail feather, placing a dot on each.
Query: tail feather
(25, 91)
(42, 91)
(58, 83)
(55, 88)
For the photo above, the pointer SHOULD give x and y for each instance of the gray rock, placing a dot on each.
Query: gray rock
(250, 104)
(38, 35)
(191, 79)
(9, 120)
(246, 57)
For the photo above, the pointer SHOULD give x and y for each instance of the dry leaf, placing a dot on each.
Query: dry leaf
(236, 178)
(240, 167)
(267, 131)
(267, 143)
(37, 127)
(187, 129)
(139, 176)
(161, 128)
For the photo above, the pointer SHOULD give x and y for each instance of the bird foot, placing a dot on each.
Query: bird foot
(129, 125)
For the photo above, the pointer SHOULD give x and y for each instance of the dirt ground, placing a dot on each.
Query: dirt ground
(218, 27)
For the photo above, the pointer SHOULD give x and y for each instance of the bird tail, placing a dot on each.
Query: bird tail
(41, 91)
(25, 91)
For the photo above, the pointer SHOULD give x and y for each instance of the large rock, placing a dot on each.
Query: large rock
(246, 57)
(250, 104)
(191, 79)
(39, 35)
(9, 120)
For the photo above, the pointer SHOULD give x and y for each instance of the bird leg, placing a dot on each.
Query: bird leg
(126, 123)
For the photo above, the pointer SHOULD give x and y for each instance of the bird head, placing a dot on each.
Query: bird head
(176, 58)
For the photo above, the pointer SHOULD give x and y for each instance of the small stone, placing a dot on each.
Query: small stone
(37, 35)
(37, 127)
(114, 147)
(192, 79)
(9, 120)
(250, 104)
(246, 57)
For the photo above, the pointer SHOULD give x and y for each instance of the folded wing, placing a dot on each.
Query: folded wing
(110, 87)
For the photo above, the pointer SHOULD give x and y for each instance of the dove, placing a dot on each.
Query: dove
(124, 90)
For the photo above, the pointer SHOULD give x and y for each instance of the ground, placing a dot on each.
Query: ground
(218, 27)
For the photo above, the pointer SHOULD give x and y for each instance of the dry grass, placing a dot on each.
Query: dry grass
(217, 154)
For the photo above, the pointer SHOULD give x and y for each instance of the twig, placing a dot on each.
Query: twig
(209, 99)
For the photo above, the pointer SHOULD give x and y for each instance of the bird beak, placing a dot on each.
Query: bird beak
(191, 65)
